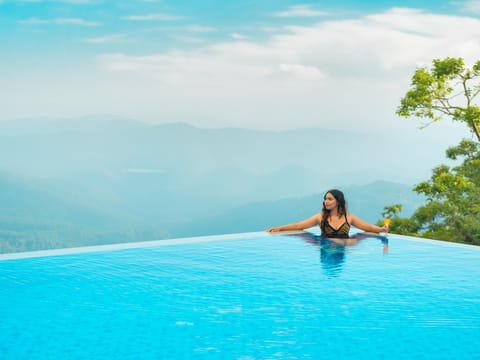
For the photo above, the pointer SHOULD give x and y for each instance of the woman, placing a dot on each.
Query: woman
(334, 220)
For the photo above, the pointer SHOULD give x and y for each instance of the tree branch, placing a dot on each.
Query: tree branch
(447, 110)
(475, 94)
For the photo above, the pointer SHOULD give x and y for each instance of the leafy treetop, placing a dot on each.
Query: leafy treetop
(435, 92)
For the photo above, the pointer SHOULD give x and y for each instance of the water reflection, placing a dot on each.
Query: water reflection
(333, 251)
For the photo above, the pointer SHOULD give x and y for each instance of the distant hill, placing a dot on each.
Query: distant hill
(28, 200)
(57, 148)
(69, 182)
(173, 171)
(34, 219)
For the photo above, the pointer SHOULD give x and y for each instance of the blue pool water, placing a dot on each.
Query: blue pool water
(253, 296)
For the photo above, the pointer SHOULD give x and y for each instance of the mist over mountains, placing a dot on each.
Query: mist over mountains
(96, 180)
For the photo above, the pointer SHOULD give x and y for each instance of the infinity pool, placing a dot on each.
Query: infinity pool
(247, 296)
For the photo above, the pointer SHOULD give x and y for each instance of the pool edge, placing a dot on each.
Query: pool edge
(124, 246)
(192, 240)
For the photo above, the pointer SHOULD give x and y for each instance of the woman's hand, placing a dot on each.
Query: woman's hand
(385, 228)
(274, 229)
(301, 225)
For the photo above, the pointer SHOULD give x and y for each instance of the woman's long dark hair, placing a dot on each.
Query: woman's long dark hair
(341, 206)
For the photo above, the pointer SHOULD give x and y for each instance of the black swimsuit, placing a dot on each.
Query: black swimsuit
(340, 233)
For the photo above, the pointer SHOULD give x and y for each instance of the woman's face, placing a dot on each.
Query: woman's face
(329, 202)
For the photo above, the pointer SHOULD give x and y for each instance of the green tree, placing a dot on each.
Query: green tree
(392, 211)
(399, 225)
(447, 89)
(452, 211)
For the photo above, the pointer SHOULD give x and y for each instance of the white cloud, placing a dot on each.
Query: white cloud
(106, 39)
(301, 71)
(201, 29)
(238, 36)
(336, 73)
(300, 11)
(470, 6)
(339, 73)
(34, 21)
(73, 2)
(189, 39)
(58, 21)
(73, 21)
(269, 29)
(81, 2)
(153, 17)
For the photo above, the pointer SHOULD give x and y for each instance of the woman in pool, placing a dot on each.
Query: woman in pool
(334, 220)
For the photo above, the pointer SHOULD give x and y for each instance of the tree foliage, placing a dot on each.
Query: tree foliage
(448, 89)
(453, 200)
(452, 209)
(392, 211)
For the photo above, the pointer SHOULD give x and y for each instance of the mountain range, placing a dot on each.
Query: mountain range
(97, 180)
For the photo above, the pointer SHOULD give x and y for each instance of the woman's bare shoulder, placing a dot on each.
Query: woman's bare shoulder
(317, 218)
(351, 217)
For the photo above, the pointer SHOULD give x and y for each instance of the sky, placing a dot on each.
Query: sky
(264, 64)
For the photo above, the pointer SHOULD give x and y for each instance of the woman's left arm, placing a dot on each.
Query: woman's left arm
(362, 225)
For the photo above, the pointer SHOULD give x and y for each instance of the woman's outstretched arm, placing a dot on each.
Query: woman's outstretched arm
(362, 225)
(301, 225)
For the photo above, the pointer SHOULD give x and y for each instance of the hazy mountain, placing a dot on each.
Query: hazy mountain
(19, 198)
(33, 219)
(48, 148)
(91, 174)
(119, 163)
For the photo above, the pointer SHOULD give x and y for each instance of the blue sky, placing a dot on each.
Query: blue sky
(272, 64)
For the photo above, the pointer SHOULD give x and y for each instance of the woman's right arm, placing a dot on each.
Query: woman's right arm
(301, 225)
